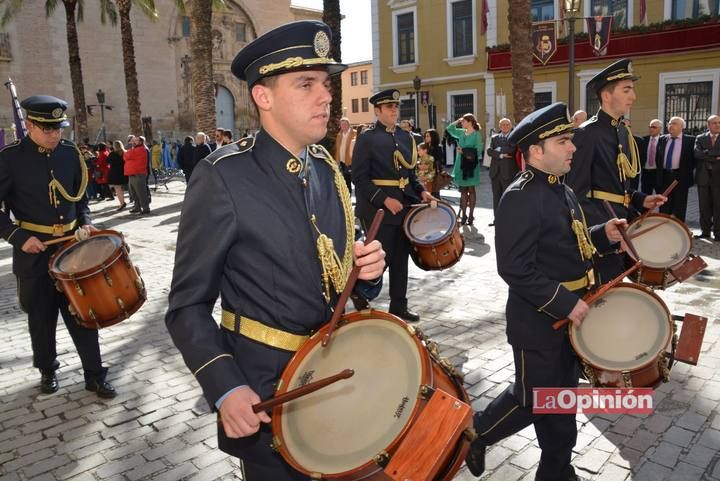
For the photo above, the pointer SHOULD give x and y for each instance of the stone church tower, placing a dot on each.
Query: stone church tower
(33, 52)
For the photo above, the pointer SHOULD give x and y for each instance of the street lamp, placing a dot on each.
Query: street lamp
(417, 83)
(571, 9)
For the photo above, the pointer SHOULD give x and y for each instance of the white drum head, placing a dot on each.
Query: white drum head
(665, 245)
(345, 425)
(624, 330)
(428, 225)
(87, 254)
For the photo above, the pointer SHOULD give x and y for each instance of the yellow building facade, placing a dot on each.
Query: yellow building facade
(357, 88)
(459, 52)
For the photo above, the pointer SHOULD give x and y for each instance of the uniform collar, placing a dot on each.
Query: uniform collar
(607, 119)
(550, 179)
(381, 126)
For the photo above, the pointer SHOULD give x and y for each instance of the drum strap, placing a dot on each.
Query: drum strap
(586, 281)
(616, 198)
(56, 229)
(257, 331)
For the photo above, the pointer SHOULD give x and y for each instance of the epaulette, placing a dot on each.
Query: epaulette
(521, 180)
(319, 152)
(589, 121)
(66, 142)
(240, 147)
(369, 128)
(8, 146)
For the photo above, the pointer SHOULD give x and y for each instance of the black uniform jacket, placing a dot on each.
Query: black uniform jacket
(26, 171)
(373, 158)
(595, 167)
(245, 234)
(536, 251)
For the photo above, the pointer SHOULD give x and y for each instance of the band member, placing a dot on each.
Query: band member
(42, 181)
(384, 176)
(607, 158)
(267, 224)
(544, 252)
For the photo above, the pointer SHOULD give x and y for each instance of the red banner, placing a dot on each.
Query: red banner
(599, 34)
(544, 39)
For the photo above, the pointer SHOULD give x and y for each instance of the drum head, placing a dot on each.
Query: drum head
(624, 330)
(666, 245)
(345, 425)
(428, 226)
(84, 255)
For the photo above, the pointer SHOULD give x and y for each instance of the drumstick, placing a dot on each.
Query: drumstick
(624, 235)
(350, 284)
(301, 391)
(645, 231)
(669, 189)
(80, 235)
(600, 292)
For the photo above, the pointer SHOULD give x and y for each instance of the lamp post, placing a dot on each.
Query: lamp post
(417, 83)
(571, 9)
(100, 95)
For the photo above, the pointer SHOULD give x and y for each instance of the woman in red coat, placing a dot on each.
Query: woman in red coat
(102, 170)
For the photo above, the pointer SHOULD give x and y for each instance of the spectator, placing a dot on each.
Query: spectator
(136, 165)
(202, 149)
(116, 177)
(186, 156)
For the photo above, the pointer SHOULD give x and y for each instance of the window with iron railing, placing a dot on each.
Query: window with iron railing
(691, 101)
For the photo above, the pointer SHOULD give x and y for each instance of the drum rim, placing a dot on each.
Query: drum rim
(414, 211)
(684, 229)
(426, 377)
(646, 290)
(111, 259)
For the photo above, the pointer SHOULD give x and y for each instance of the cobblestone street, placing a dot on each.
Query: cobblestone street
(159, 426)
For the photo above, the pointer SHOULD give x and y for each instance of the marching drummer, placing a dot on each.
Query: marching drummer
(42, 182)
(273, 220)
(544, 252)
(383, 172)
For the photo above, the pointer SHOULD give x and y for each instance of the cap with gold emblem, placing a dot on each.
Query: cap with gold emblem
(542, 124)
(46, 110)
(620, 70)
(303, 45)
(389, 96)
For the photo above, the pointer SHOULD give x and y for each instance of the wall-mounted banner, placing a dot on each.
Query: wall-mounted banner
(599, 33)
(544, 41)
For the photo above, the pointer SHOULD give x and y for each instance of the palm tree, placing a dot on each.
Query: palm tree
(128, 50)
(331, 16)
(520, 21)
(201, 67)
(73, 12)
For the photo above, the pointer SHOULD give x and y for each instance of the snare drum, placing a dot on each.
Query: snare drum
(663, 243)
(404, 413)
(625, 340)
(435, 236)
(98, 278)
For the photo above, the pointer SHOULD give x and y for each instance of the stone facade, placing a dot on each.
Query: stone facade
(35, 56)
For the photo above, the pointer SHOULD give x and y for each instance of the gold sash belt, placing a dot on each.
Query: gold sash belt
(263, 334)
(56, 229)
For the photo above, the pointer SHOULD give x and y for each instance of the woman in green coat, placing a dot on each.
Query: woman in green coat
(466, 171)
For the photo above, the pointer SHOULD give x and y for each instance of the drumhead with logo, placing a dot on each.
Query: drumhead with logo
(661, 241)
(428, 225)
(625, 329)
(344, 426)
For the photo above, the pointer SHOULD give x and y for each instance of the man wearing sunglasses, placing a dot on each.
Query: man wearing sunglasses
(42, 182)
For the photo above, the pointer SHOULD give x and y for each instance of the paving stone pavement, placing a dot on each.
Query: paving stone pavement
(160, 428)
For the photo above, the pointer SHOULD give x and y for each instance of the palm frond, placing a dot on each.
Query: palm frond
(108, 12)
(50, 6)
(148, 8)
(80, 10)
(11, 8)
(180, 5)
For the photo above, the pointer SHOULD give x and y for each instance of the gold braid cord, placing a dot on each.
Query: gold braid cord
(629, 169)
(587, 249)
(398, 157)
(55, 186)
(336, 270)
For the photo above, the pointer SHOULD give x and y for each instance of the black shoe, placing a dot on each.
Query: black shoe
(491, 224)
(406, 315)
(704, 235)
(471, 219)
(103, 389)
(475, 459)
(145, 212)
(572, 477)
(359, 302)
(48, 382)
(135, 210)
(122, 207)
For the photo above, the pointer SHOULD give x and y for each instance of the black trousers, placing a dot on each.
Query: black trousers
(42, 302)
(677, 200)
(280, 472)
(648, 182)
(397, 252)
(511, 411)
(709, 201)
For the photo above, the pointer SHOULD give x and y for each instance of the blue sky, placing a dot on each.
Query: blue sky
(356, 28)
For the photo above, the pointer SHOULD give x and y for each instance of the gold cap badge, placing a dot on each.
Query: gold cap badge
(57, 113)
(321, 44)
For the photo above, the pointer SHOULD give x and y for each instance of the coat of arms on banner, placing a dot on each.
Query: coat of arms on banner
(599, 33)
(544, 39)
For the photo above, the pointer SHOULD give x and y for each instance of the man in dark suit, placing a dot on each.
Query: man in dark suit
(647, 146)
(544, 253)
(383, 172)
(707, 176)
(282, 231)
(502, 162)
(675, 161)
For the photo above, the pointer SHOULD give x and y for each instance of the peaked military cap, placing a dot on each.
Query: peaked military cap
(544, 123)
(46, 110)
(620, 70)
(303, 45)
(389, 96)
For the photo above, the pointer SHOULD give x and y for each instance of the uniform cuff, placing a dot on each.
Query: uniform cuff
(561, 304)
